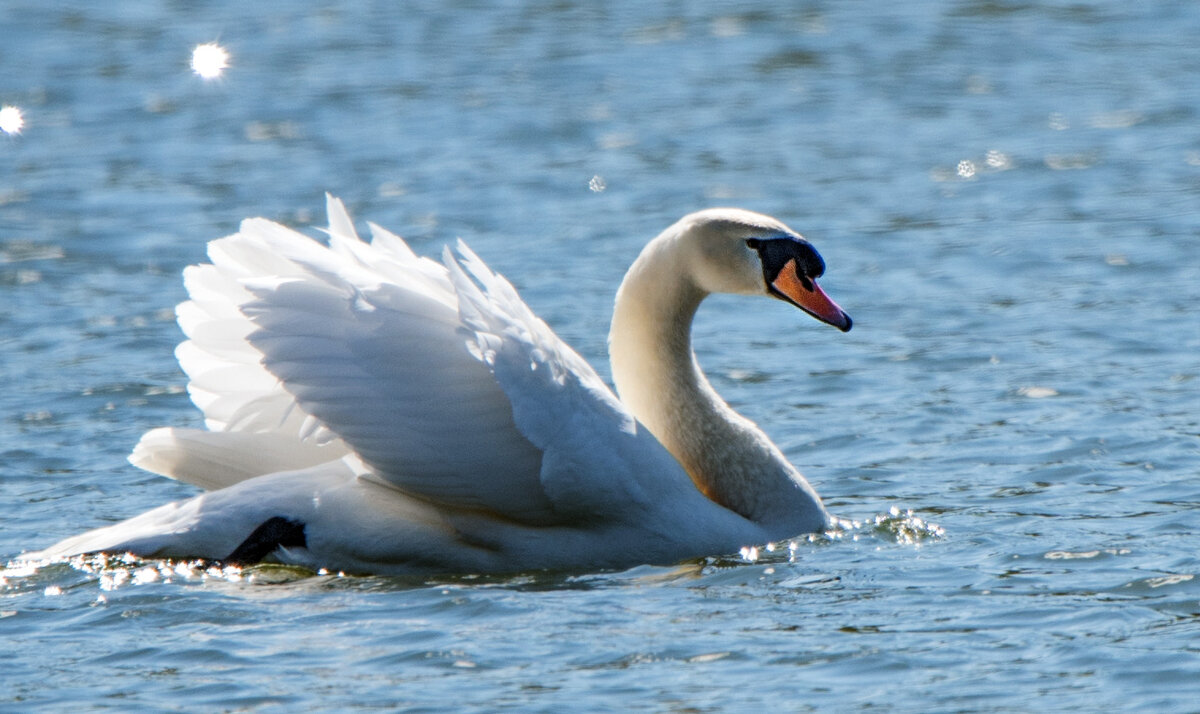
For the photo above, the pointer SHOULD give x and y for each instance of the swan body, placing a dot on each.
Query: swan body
(369, 410)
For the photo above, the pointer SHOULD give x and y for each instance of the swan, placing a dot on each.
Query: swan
(371, 411)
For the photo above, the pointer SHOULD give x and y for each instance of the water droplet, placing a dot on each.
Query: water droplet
(145, 575)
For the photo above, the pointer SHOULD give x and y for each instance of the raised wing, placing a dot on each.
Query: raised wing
(254, 425)
(597, 459)
(436, 376)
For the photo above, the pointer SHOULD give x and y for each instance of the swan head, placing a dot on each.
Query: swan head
(746, 253)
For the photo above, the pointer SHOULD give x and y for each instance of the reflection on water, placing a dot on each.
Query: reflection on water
(11, 120)
(209, 60)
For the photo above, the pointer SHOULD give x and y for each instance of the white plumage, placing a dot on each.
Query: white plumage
(409, 415)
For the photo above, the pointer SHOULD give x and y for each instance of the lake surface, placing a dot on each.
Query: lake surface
(1008, 199)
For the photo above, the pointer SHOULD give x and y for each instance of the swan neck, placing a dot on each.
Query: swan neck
(650, 341)
(657, 377)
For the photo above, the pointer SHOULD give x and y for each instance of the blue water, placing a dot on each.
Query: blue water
(1008, 199)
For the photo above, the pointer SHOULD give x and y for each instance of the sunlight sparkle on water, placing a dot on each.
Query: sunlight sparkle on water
(11, 120)
(209, 60)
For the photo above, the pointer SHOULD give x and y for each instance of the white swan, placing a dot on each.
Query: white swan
(372, 411)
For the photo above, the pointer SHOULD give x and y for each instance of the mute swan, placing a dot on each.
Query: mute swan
(371, 411)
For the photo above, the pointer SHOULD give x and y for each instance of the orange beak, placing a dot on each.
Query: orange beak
(805, 294)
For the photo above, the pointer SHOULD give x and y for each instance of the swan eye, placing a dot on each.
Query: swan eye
(776, 253)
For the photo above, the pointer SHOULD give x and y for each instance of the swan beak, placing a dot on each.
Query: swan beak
(805, 294)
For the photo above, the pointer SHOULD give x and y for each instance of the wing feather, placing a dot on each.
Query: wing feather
(366, 339)
(436, 376)
(597, 459)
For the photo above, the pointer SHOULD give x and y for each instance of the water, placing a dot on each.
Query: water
(1008, 198)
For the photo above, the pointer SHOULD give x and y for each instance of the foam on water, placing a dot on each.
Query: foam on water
(113, 571)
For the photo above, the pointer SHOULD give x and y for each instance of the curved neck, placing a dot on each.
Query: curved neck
(657, 377)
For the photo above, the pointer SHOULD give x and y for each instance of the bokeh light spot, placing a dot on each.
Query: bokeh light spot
(209, 60)
(11, 120)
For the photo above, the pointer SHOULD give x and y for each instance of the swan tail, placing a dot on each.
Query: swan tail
(145, 535)
(218, 524)
(214, 460)
(354, 524)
